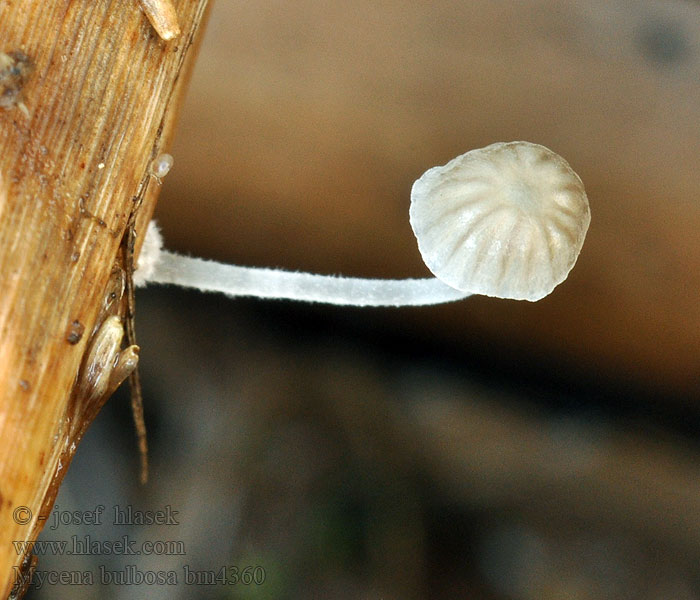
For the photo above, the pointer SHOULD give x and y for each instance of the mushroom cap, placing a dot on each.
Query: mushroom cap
(507, 220)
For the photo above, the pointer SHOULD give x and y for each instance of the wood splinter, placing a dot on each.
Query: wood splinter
(162, 15)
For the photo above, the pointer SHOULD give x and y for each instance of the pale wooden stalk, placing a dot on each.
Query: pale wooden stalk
(100, 104)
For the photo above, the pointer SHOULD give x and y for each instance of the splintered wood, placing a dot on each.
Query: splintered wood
(163, 17)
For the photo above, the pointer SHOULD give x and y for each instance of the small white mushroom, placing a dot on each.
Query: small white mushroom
(161, 165)
(507, 220)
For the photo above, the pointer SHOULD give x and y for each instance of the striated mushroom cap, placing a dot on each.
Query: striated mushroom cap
(507, 220)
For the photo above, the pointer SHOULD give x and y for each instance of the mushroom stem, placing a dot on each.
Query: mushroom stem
(210, 276)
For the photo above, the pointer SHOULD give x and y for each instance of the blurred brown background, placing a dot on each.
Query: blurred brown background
(490, 449)
(307, 123)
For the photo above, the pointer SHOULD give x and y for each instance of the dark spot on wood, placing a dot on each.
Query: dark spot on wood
(86, 214)
(75, 256)
(15, 68)
(42, 456)
(75, 332)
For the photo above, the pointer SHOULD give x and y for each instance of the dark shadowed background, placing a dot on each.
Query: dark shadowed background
(489, 449)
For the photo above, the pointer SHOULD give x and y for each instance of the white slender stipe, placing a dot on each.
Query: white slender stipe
(209, 276)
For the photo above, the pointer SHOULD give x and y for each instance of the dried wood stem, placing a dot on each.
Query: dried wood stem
(88, 97)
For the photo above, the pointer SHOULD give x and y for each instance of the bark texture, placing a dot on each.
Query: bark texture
(89, 98)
